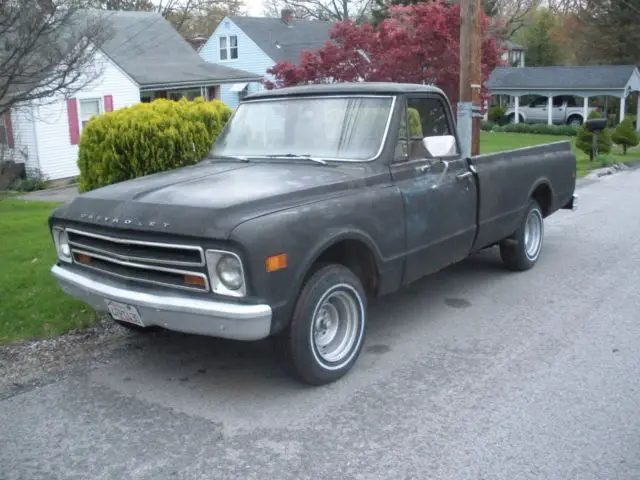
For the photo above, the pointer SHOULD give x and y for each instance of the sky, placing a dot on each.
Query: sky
(254, 8)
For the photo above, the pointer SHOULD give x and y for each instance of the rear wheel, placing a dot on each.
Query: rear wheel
(521, 252)
(574, 121)
(325, 335)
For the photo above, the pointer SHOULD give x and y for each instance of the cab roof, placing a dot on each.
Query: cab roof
(359, 88)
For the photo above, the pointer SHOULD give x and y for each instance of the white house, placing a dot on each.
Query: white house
(144, 58)
(255, 44)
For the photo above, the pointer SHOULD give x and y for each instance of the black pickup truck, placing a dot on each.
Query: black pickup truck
(312, 200)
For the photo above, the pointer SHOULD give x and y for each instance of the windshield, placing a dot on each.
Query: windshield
(338, 128)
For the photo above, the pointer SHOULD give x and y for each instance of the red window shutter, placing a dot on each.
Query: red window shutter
(72, 114)
(108, 103)
(9, 129)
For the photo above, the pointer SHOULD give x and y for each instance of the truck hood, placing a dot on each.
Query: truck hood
(209, 199)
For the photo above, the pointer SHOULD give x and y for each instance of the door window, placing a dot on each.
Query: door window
(539, 102)
(424, 117)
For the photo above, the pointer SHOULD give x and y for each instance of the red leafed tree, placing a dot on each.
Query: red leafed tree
(416, 44)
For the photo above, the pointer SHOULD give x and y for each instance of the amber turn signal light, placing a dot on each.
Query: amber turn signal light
(276, 262)
(194, 280)
(82, 258)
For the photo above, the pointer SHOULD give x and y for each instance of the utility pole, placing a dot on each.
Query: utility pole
(468, 117)
(476, 76)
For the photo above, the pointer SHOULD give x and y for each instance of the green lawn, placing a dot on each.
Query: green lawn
(498, 141)
(31, 303)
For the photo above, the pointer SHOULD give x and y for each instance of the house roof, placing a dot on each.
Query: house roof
(509, 45)
(282, 41)
(599, 77)
(152, 52)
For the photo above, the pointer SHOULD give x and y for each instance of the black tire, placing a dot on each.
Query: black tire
(137, 328)
(514, 252)
(512, 118)
(570, 120)
(296, 347)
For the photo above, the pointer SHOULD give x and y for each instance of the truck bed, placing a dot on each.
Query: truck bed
(507, 180)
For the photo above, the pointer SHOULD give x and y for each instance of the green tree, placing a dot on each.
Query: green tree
(538, 40)
(610, 33)
(625, 135)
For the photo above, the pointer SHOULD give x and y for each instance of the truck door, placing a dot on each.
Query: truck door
(439, 194)
(537, 110)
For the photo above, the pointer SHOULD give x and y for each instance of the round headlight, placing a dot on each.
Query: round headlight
(62, 242)
(229, 271)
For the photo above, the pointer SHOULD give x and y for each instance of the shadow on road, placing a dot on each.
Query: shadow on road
(188, 360)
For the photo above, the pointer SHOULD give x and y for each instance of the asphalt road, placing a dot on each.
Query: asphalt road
(474, 373)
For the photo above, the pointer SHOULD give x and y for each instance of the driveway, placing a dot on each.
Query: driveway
(474, 373)
(62, 194)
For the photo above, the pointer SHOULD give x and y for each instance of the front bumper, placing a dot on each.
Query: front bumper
(177, 312)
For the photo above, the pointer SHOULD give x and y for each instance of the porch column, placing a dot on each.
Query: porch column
(516, 118)
(622, 107)
(550, 111)
(638, 112)
(585, 108)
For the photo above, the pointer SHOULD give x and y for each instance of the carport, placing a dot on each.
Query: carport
(580, 81)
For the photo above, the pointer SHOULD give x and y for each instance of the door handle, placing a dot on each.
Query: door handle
(423, 168)
(463, 175)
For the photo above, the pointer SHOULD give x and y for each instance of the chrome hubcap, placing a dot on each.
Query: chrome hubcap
(336, 326)
(533, 231)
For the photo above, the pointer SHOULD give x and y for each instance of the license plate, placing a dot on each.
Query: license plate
(124, 313)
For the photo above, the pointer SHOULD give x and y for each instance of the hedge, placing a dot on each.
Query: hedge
(533, 128)
(147, 138)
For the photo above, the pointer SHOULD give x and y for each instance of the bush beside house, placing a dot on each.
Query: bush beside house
(625, 135)
(147, 138)
(532, 128)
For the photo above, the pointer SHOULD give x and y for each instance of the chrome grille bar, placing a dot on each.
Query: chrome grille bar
(140, 261)
(130, 249)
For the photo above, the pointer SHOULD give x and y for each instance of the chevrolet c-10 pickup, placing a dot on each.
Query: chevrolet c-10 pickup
(313, 200)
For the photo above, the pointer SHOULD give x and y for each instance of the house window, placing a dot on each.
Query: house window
(233, 42)
(515, 57)
(229, 47)
(4, 136)
(88, 108)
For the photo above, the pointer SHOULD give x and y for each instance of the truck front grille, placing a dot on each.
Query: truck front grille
(169, 265)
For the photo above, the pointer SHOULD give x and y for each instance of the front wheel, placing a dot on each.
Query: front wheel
(325, 335)
(521, 252)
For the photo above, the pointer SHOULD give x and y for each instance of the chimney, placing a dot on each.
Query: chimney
(286, 15)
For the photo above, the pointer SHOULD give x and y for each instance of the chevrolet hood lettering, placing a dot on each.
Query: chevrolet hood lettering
(105, 220)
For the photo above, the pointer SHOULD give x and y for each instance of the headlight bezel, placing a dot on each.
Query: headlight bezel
(58, 233)
(218, 286)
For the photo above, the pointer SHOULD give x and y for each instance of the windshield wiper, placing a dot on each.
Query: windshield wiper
(305, 156)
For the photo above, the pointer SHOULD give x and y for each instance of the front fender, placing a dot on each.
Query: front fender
(371, 215)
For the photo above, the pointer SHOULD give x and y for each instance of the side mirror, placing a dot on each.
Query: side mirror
(596, 124)
(440, 146)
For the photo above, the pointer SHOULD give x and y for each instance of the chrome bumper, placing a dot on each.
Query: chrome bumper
(174, 312)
